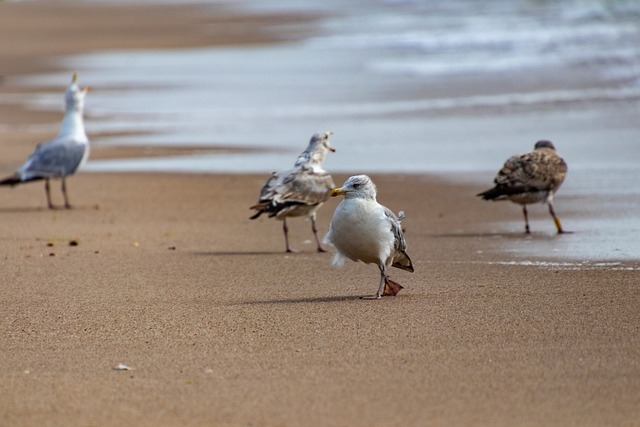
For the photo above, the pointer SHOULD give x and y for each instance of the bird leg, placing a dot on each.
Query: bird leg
(378, 294)
(383, 278)
(47, 189)
(315, 233)
(526, 219)
(285, 229)
(556, 220)
(64, 193)
(387, 286)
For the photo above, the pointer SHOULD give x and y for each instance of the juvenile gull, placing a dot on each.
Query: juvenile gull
(530, 178)
(299, 191)
(364, 230)
(64, 154)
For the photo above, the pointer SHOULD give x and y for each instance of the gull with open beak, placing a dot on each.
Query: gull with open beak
(64, 154)
(299, 191)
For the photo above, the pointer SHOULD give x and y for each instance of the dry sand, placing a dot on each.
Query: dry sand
(166, 274)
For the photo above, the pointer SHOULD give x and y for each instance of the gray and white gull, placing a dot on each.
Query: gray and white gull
(64, 154)
(299, 191)
(364, 230)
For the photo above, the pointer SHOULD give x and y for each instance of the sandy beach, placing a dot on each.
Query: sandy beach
(165, 274)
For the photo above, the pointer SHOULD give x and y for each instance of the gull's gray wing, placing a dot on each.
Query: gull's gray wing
(267, 190)
(55, 158)
(301, 186)
(401, 259)
(304, 186)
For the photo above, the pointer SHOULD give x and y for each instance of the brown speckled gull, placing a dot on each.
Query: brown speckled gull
(532, 177)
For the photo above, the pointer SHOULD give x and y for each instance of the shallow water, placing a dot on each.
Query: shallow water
(407, 86)
(451, 86)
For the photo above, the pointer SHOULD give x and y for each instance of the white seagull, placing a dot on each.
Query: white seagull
(64, 154)
(299, 191)
(532, 177)
(364, 230)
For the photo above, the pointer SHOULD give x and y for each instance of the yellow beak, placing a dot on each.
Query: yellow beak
(74, 79)
(337, 192)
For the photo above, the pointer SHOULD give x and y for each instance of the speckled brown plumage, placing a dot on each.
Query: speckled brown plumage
(532, 177)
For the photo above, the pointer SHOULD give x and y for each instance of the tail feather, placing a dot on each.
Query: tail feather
(12, 180)
(492, 193)
(256, 215)
(271, 208)
(500, 192)
(260, 207)
(403, 262)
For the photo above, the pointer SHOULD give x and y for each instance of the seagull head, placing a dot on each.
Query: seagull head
(321, 141)
(544, 144)
(356, 186)
(317, 149)
(74, 97)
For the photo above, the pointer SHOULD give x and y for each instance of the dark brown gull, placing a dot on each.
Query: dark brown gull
(528, 178)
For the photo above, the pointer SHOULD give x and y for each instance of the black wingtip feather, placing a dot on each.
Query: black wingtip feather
(491, 194)
(12, 180)
(256, 215)
(500, 192)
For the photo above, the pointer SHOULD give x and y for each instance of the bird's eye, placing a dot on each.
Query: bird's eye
(356, 186)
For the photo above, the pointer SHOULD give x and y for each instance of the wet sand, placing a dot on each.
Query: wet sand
(166, 274)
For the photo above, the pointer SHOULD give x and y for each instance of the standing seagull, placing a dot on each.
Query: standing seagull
(63, 155)
(363, 230)
(299, 191)
(530, 178)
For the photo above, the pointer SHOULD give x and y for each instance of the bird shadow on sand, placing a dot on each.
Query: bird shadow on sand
(254, 253)
(307, 300)
(513, 235)
(22, 210)
(34, 209)
(240, 253)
